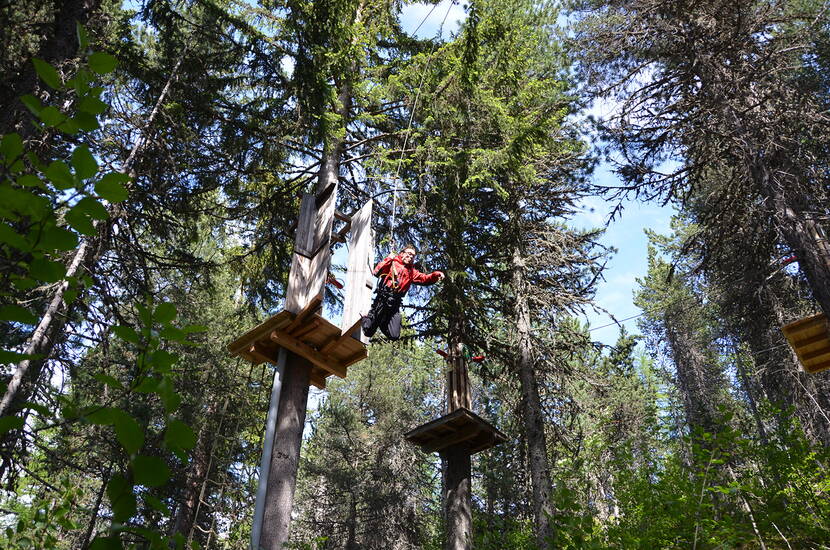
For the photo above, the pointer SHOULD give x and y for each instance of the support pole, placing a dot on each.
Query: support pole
(457, 499)
(267, 446)
(458, 496)
(285, 454)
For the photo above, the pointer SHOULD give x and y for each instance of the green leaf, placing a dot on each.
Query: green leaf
(150, 471)
(106, 543)
(84, 163)
(103, 416)
(17, 314)
(169, 398)
(109, 381)
(12, 237)
(128, 431)
(12, 147)
(24, 283)
(42, 409)
(179, 435)
(78, 221)
(92, 105)
(173, 334)
(29, 180)
(155, 504)
(32, 103)
(128, 334)
(102, 63)
(60, 175)
(162, 360)
(82, 121)
(111, 187)
(144, 314)
(165, 313)
(122, 499)
(7, 356)
(9, 423)
(92, 208)
(47, 73)
(68, 126)
(190, 329)
(148, 384)
(23, 202)
(57, 238)
(47, 270)
(69, 296)
(50, 116)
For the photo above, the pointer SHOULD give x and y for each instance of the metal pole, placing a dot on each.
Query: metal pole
(267, 446)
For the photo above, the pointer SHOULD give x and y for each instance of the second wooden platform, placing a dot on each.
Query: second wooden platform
(810, 340)
(461, 427)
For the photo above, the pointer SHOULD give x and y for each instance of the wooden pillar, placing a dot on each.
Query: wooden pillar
(285, 455)
(457, 499)
(457, 495)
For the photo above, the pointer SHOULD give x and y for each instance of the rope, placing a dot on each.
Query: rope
(407, 133)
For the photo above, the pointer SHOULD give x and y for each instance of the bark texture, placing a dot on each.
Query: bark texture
(457, 499)
(285, 456)
(540, 478)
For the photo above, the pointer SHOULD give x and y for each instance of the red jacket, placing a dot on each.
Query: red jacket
(397, 275)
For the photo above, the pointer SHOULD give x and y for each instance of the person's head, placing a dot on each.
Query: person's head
(408, 253)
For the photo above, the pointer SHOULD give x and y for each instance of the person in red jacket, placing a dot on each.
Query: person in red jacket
(396, 274)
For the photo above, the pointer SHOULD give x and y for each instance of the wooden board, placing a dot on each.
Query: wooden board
(307, 334)
(359, 281)
(810, 340)
(309, 268)
(461, 428)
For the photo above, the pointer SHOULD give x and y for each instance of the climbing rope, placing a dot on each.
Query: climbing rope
(407, 132)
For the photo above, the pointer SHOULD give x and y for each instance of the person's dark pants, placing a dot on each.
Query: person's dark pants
(385, 314)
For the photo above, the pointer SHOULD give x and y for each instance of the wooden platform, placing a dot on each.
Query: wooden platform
(461, 427)
(308, 334)
(810, 340)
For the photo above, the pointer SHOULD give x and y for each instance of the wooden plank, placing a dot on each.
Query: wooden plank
(317, 379)
(326, 202)
(306, 329)
(803, 324)
(263, 329)
(325, 362)
(304, 240)
(800, 344)
(817, 367)
(452, 439)
(824, 350)
(358, 296)
(305, 313)
(352, 359)
(342, 217)
(261, 354)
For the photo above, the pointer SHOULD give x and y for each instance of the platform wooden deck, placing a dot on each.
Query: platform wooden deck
(308, 334)
(810, 340)
(461, 427)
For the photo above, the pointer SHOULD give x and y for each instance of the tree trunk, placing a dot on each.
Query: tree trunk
(532, 411)
(197, 473)
(457, 499)
(800, 233)
(61, 45)
(285, 456)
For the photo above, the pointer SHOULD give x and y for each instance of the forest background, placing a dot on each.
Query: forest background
(153, 154)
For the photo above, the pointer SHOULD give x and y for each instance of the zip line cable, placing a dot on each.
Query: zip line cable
(407, 133)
